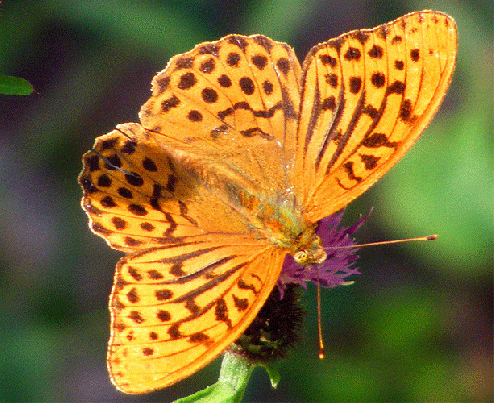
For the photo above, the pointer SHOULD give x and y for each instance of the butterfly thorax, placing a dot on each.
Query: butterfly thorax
(279, 219)
(291, 232)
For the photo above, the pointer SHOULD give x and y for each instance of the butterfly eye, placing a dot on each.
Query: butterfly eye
(301, 257)
(320, 256)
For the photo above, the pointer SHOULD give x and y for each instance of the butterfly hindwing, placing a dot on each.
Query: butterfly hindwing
(137, 195)
(235, 102)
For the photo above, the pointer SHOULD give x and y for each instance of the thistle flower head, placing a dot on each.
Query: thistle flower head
(340, 263)
(277, 326)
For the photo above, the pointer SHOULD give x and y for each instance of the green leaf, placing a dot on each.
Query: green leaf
(234, 376)
(218, 392)
(14, 86)
(274, 375)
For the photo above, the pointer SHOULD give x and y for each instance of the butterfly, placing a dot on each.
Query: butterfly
(240, 152)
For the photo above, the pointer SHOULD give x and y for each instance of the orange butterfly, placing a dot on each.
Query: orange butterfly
(239, 153)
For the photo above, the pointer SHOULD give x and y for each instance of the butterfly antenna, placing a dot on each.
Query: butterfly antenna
(319, 326)
(420, 238)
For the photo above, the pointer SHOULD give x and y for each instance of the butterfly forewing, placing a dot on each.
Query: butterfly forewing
(175, 308)
(367, 96)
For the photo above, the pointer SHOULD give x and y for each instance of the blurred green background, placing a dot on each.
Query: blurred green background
(416, 326)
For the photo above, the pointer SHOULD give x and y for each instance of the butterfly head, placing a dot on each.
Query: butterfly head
(311, 253)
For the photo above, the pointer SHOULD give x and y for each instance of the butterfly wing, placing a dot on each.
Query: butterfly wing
(196, 274)
(234, 102)
(139, 195)
(175, 308)
(367, 96)
(179, 194)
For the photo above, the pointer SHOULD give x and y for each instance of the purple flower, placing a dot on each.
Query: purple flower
(339, 263)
